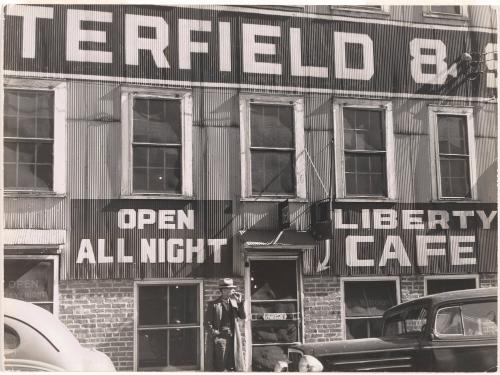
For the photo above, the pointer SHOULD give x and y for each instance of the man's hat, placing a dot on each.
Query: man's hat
(226, 283)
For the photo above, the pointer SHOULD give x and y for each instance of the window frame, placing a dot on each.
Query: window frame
(59, 165)
(55, 260)
(428, 12)
(468, 113)
(343, 280)
(128, 94)
(142, 283)
(474, 277)
(361, 10)
(339, 154)
(245, 142)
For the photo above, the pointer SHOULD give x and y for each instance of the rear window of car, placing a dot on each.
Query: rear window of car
(470, 319)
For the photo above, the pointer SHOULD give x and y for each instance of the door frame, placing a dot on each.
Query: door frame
(270, 255)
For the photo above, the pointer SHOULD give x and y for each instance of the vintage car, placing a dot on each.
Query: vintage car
(452, 331)
(35, 340)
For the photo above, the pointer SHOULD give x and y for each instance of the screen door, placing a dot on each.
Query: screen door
(276, 320)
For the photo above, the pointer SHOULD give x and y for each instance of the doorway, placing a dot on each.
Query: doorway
(276, 318)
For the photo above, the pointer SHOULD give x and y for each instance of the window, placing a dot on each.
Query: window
(364, 305)
(33, 279)
(360, 10)
(439, 284)
(410, 321)
(446, 11)
(452, 141)
(364, 157)
(272, 141)
(157, 143)
(169, 334)
(471, 319)
(34, 137)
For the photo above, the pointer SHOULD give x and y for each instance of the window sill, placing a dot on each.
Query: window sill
(455, 200)
(446, 16)
(274, 199)
(32, 194)
(158, 196)
(365, 199)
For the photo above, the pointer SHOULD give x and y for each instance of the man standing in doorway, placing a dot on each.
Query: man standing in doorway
(222, 320)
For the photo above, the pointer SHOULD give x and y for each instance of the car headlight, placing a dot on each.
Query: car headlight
(310, 364)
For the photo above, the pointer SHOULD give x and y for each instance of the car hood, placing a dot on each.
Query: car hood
(357, 346)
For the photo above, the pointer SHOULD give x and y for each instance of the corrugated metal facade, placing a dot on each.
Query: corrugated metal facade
(94, 143)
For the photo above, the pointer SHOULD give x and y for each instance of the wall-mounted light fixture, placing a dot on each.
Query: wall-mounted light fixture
(475, 63)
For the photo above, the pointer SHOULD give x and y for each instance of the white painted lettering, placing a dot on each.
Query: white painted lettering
(186, 45)
(341, 69)
(351, 244)
(251, 48)
(297, 69)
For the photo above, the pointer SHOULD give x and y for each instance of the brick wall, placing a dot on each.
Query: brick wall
(322, 309)
(100, 313)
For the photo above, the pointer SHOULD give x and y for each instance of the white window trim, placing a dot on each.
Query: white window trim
(448, 277)
(464, 13)
(185, 96)
(338, 119)
(434, 111)
(55, 259)
(363, 278)
(384, 10)
(138, 284)
(59, 146)
(245, 137)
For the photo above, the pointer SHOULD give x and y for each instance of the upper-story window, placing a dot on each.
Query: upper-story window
(452, 134)
(34, 138)
(372, 10)
(272, 137)
(157, 152)
(446, 11)
(364, 142)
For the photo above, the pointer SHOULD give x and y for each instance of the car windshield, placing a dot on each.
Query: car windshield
(409, 321)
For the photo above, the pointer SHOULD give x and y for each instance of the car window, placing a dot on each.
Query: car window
(409, 321)
(449, 321)
(480, 319)
(11, 338)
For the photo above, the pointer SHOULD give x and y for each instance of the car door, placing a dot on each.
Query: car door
(465, 337)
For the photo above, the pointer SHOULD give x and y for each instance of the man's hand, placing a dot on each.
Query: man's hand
(215, 332)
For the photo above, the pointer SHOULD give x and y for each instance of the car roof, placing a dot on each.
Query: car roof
(454, 296)
(42, 321)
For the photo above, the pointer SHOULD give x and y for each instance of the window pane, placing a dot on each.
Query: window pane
(45, 104)
(452, 134)
(370, 298)
(10, 126)
(272, 126)
(449, 321)
(152, 305)
(157, 121)
(140, 179)
(26, 103)
(454, 177)
(274, 331)
(368, 129)
(43, 177)
(183, 304)
(267, 284)
(183, 346)
(26, 175)
(480, 319)
(365, 174)
(9, 175)
(273, 172)
(449, 9)
(10, 152)
(27, 127)
(44, 153)
(44, 128)
(153, 346)
(157, 169)
(29, 279)
(448, 285)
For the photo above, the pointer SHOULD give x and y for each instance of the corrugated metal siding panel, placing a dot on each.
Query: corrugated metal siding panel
(103, 160)
(410, 117)
(35, 213)
(93, 101)
(318, 112)
(486, 121)
(487, 163)
(320, 147)
(34, 236)
(412, 161)
(77, 159)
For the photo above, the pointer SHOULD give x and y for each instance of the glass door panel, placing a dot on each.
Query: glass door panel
(275, 310)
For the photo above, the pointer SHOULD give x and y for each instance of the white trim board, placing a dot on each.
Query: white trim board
(243, 86)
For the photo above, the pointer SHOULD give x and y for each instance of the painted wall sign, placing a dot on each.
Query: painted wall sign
(146, 238)
(386, 238)
(180, 45)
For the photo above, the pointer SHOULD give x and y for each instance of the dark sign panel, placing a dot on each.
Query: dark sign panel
(150, 238)
(420, 238)
(207, 47)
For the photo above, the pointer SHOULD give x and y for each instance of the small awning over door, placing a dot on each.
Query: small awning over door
(289, 239)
